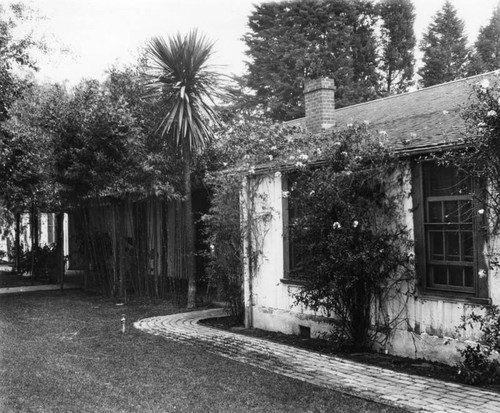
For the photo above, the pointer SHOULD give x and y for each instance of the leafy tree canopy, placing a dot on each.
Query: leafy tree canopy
(23, 152)
(486, 55)
(294, 40)
(24, 165)
(444, 46)
(14, 52)
(105, 142)
(94, 140)
(397, 42)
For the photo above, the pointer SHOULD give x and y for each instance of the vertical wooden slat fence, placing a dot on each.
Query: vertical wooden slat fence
(133, 246)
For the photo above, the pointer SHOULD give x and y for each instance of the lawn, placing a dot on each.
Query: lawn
(64, 352)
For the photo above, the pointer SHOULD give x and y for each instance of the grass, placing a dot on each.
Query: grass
(9, 279)
(64, 352)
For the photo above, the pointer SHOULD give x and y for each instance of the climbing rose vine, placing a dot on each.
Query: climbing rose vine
(351, 245)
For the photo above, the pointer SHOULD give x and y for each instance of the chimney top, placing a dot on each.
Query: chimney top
(311, 85)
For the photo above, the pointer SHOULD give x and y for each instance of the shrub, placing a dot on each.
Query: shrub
(352, 249)
(40, 262)
(477, 367)
(479, 364)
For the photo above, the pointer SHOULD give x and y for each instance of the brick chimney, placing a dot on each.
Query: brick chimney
(319, 95)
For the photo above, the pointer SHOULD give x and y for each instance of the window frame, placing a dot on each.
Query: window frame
(291, 274)
(479, 289)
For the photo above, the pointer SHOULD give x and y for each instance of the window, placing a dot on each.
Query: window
(296, 255)
(447, 231)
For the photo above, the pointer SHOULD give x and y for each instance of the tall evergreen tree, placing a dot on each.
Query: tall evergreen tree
(487, 46)
(397, 43)
(294, 40)
(445, 49)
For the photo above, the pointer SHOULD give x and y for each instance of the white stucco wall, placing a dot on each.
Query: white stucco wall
(428, 329)
(7, 238)
(271, 302)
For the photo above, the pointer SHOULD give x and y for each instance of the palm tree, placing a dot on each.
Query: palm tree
(184, 81)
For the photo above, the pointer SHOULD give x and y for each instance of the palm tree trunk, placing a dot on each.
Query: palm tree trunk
(189, 226)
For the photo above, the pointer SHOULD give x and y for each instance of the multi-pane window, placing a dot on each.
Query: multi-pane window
(447, 227)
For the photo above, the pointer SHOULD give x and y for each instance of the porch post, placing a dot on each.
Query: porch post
(246, 210)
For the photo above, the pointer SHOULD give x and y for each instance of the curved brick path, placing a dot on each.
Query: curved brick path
(410, 392)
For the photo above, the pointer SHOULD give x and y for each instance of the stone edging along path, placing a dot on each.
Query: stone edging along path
(370, 382)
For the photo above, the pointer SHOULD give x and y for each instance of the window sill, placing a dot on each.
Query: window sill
(452, 298)
(291, 281)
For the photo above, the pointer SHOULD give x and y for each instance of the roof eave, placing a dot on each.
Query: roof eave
(400, 153)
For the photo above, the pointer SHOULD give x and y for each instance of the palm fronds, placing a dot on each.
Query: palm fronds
(183, 80)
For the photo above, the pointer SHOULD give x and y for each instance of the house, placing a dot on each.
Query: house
(46, 223)
(452, 281)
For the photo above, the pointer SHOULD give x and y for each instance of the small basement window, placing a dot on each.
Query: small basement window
(304, 332)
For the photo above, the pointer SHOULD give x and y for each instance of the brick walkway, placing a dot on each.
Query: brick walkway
(413, 393)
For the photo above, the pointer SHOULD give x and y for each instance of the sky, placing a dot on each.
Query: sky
(89, 36)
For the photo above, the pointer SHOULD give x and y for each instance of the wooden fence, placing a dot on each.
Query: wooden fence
(126, 246)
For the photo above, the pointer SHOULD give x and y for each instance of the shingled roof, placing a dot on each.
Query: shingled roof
(417, 121)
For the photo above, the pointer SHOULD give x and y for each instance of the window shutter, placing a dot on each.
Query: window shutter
(418, 222)
(286, 238)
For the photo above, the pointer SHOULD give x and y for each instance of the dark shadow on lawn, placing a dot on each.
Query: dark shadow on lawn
(9, 279)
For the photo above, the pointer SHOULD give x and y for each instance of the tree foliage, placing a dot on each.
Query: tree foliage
(67, 146)
(185, 84)
(98, 146)
(486, 56)
(23, 155)
(24, 170)
(294, 40)
(291, 41)
(444, 48)
(24, 166)
(14, 53)
(397, 42)
(73, 147)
